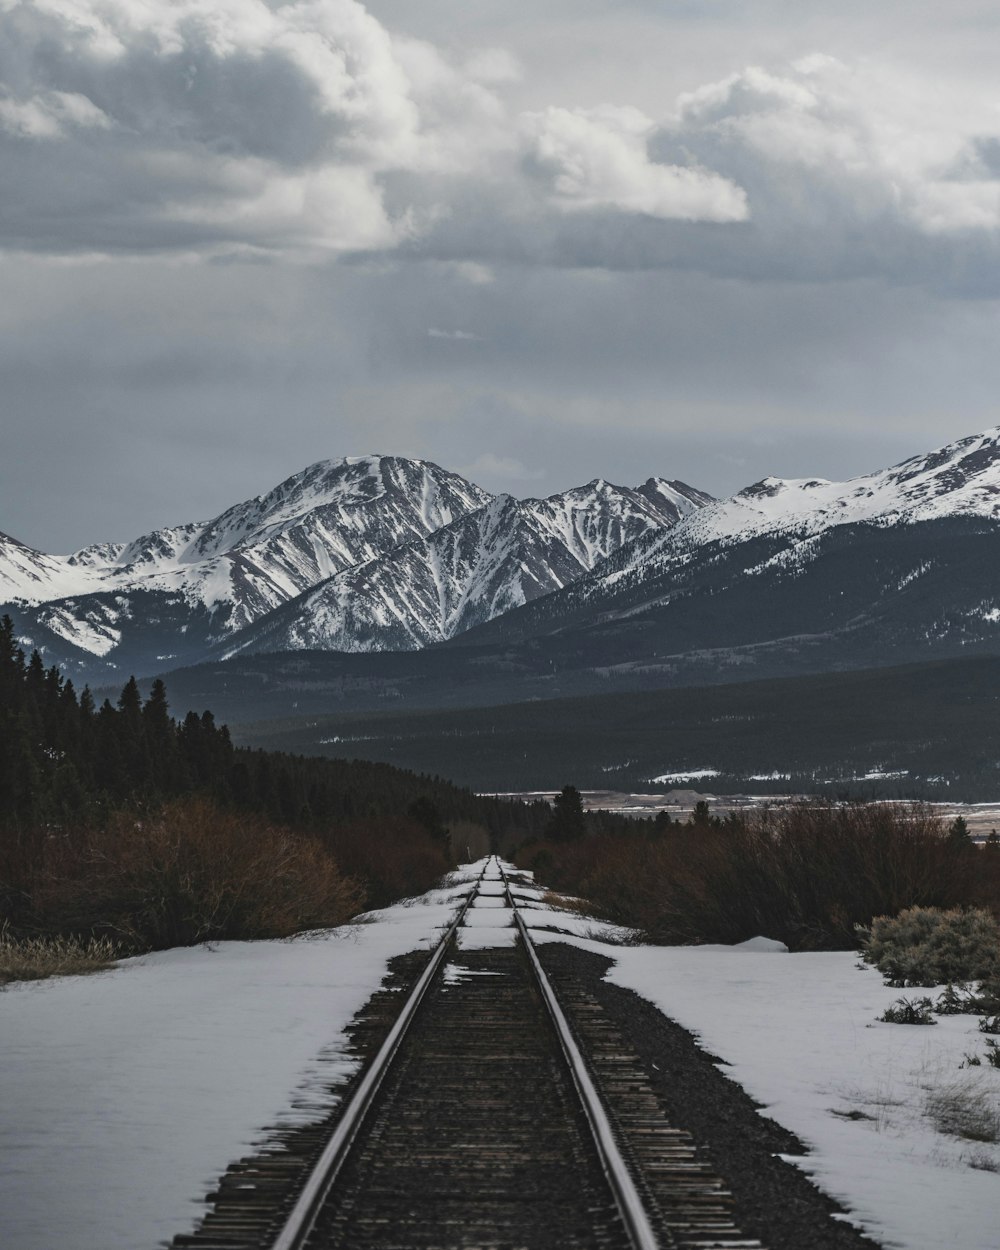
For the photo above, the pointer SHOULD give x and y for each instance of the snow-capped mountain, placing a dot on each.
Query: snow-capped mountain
(192, 584)
(500, 556)
(366, 552)
(775, 525)
(31, 576)
(960, 479)
(656, 583)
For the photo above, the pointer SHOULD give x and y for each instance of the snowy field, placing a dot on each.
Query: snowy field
(124, 1095)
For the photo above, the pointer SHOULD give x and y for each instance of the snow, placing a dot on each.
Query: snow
(170, 1066)
(800, 1034)
(127, 1093)
(691, 774)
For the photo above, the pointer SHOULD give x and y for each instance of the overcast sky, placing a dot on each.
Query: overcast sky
(536, 243)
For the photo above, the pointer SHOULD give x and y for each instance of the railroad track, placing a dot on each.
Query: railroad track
(502, 1111)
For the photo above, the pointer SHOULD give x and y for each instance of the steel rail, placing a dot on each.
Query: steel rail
(302, 1217)
(630, 1204)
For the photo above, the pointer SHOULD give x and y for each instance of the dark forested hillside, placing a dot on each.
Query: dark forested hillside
(64, 759)
(919, 730)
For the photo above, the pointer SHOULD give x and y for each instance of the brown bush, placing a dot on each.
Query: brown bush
(189, 873)
(390, 859)
(804, 874)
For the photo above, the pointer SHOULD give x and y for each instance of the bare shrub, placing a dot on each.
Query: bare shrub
(805, 874)
(929, 945)
(188, 873)
(36, 958)
(389, 859)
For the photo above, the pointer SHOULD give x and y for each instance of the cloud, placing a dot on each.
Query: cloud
(305, 130)
(491, 468)
(598, 158)
(296, 129)
(814, 171)
(847, 149)
(457, 335)
(132, 125)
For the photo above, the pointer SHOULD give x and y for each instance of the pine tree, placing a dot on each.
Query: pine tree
(958, 834)
(566, 823)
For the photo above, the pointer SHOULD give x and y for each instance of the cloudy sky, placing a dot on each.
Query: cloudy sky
(536, 243)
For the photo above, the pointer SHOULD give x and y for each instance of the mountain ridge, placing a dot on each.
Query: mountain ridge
(190, 588)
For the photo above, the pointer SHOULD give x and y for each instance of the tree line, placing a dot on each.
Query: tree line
(64, 760)
(116, 819)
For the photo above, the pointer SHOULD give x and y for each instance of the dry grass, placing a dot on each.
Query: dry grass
(35, 959)
(966, 1111)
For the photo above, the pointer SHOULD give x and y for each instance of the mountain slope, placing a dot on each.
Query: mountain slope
(926, 730)
(210, 579)
(771, 525)
(356, 554)
(479, 567)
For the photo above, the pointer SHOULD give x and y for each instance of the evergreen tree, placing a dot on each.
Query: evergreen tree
(701, 816)
(958, 834)
(566, 823)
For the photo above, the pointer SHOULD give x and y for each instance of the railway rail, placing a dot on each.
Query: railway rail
(502, 1110)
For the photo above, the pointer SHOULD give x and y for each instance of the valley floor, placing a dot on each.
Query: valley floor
(127, 1093)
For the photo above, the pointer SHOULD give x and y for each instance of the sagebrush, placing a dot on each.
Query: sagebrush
(931, 945)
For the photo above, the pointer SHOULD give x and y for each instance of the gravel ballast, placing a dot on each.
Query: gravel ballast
(773, 1200)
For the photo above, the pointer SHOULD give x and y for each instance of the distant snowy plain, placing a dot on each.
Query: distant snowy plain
(123, 1096)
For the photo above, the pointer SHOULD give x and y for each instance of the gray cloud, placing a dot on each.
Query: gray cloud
(239, 238)
(266, 126)
(140, 394)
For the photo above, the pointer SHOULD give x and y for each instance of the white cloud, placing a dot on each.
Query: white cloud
(48, 115)
(242, 123)
(598, 158)
(305, 129)
(862, 141)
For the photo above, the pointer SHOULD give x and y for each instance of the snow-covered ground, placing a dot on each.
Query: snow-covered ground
(801, 1035)
(124, 1095)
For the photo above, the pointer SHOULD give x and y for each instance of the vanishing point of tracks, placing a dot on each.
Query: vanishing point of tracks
(502, 1111)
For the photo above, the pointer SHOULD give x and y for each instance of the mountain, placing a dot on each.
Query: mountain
(505, 554)
(367, 553)
(171, 594)
(377, 580)
(786, 578)
(779, 535)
